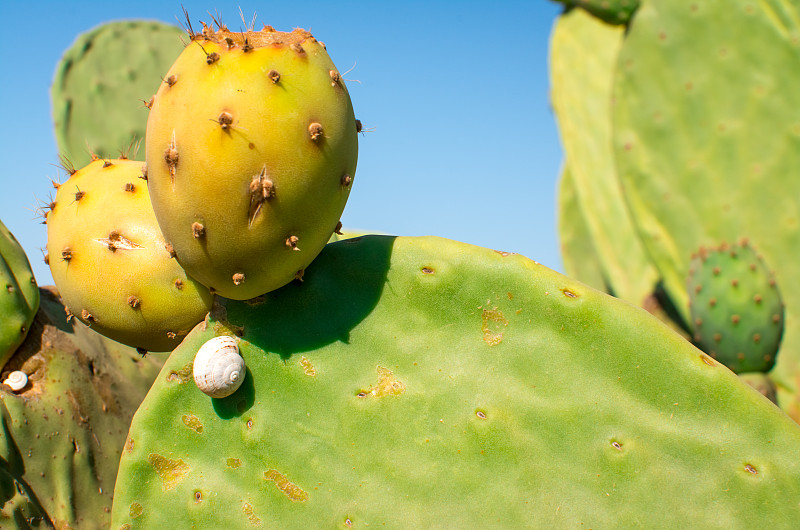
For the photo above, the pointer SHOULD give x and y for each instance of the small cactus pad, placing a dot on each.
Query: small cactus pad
(63, 433)
(424, 383)
(103, 84)
(111, 264)
(736, 308)
(19, 294)
(251, 149)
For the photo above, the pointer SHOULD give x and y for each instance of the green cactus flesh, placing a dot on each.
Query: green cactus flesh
(609, 11)
(19, 294)
(248, 184)
(63, 434)
(707, 142)
(578, 255)
(736, 307)
(102, 84)
(583, 52)
(419, 382)
(111, 264)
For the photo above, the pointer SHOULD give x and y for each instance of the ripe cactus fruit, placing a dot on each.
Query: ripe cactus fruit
(736, 307)
(64, 432)
(411, 381)
(251, 151)
(100, 84)
(19, 294)
(111, 264)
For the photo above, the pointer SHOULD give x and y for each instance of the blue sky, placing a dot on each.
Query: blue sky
(462, 141)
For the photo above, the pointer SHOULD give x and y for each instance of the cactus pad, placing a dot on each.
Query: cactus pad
(251, 153)
(411, 381)
(111, 263)
(63, 434)
(101, 83)
(19, 294)
(736, 307)
(609, 11)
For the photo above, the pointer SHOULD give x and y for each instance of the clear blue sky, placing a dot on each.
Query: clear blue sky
(464, 144)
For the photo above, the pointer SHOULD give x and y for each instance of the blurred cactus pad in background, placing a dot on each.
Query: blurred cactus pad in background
(379, 380)
(680, 134)
(100, 82)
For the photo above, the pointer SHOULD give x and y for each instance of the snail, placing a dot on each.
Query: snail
(16, 380)
(218, 368)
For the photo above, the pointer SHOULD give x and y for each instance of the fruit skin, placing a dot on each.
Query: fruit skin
(111, 263)
(736, 307)
(245, 185)
(102, 83)
(410, 381)
(63, 434)
(19, 294)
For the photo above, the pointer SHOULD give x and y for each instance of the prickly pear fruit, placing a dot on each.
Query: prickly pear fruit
(101, 82)
(736, 307)
(251, 152)
(111, 264)
(63, 433)
(19, 294)
(414, 381)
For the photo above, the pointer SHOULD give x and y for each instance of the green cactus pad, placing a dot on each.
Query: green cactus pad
(736, 307)
(19, 294)
(419, 382)
(102, 84)
(111, 264)
(583, 53)
(62, 434)
(609, 11)
(578, 255)
(707, 142)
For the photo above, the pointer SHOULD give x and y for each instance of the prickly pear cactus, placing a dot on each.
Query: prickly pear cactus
(578, 255)
(251, 153)
(583, 52)
(706, 143)
(62, 434)
(609, 11)
(410, 381)
(102, 82)
(736, 307)
(19, 294)
(111, 264)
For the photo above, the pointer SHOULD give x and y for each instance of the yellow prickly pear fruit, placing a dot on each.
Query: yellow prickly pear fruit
(111, 265)
(251, 152)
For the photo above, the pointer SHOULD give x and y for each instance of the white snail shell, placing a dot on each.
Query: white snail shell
(218, 368)
(16, 380)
